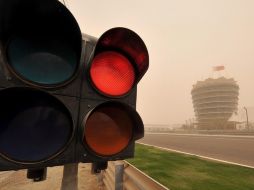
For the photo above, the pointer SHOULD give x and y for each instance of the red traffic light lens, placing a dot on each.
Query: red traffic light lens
(112, 73)
(129, 44)
(108, 129)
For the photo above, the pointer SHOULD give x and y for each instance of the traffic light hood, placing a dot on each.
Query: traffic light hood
(128, 43)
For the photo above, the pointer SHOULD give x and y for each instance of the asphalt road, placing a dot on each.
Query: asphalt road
(238, 149)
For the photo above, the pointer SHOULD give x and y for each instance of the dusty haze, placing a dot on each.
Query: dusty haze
(184, 39)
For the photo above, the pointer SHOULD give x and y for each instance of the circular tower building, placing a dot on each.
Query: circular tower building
(214, 102)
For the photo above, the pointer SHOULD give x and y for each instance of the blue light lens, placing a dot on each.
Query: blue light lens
(34, 126)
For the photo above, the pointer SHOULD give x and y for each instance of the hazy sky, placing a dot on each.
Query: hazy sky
(185, 38)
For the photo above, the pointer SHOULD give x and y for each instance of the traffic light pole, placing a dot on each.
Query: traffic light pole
(70, 177)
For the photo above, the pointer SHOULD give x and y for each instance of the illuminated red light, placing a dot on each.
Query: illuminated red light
(112, 73)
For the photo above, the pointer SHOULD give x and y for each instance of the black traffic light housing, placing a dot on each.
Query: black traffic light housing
(40, 77)
(129, 44)
(65, 97)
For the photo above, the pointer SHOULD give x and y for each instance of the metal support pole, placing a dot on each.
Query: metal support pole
(247, 118)
(70, 177)
(119, 169)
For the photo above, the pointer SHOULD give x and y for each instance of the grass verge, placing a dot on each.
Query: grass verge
(183, 172)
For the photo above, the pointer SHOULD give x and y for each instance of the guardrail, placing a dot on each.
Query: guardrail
(121, 175)
(203, 132)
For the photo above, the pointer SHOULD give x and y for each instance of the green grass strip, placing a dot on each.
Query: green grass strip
(183, 172)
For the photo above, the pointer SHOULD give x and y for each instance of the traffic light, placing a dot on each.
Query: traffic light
(109, 123)
(65, 97)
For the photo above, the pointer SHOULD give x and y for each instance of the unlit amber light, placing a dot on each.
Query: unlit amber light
(108, 130)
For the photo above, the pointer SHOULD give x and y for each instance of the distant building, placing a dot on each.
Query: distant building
(214, 102)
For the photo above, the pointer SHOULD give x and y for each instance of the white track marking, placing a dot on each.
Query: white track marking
(202, 135)
(205, 157)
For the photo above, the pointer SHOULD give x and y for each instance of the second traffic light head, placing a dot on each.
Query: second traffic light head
(109, 123)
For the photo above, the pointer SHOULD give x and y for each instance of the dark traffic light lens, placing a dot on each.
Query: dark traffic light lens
(112, 73)
(34, 126)
(108, 129)
(42, 41)
(41, 62)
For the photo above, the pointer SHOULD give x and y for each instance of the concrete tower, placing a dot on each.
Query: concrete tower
(214, 101)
